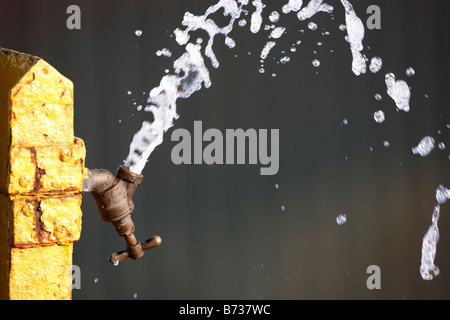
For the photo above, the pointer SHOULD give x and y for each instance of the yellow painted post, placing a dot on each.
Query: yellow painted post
(41, 177)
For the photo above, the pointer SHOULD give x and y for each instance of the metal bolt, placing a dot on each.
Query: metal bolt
(65, 155)
(23, 181)
(59, 232)
(28, 209)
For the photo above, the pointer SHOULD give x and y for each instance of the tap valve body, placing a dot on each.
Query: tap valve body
(113, 196)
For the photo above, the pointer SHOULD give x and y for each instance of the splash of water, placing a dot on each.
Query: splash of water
(355, 36)
(256, 19)
(428, 270)
(425, 146)
(399, 91)
(190, 74)
(312, 8)
(265, 51)
(162, 101)
(292, 5)
(164, 52)
(277, 32)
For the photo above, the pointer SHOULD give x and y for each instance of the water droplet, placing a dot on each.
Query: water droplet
(429, 274)
(293, 49)
(277, 32)
(345, 122)
(283, 208)
(399, 91)
(441, 145)
(242, 23)
(428, 270)
(115, 262)
(256, 18)
(135, 296)
(386, 143)
(312, 26)
(267, 47)
(274, 16)
(164, 52)
(138, 32)
(128, 92)
(229, 42)
(277, 186)
(316, 63)
(379, 116)
(342, 27)
(341, 219)
(425, 146)
(375, 64)
(325, 8)
(410, 72)
(378, 97)
(285, 60)
(292, 5)
(286, 9)
(139, 108)
(261, 70)
(181, 36)
(442, 194)
(274, 75)
(96, 280)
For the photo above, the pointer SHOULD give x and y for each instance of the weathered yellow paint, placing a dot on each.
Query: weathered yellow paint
(42, 108)
(41, 177)
(29, 279)
(62, 164)
(46, 220)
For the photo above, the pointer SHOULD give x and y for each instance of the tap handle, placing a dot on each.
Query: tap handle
(134, 251)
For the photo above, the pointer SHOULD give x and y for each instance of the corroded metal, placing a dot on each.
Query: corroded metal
(113, 196)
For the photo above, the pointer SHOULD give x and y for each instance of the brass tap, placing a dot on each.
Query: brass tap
(113, 196)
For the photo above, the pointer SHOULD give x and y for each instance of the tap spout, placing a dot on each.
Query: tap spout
(113, 196)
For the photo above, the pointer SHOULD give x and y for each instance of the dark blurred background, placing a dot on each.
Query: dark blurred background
(225, 235)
